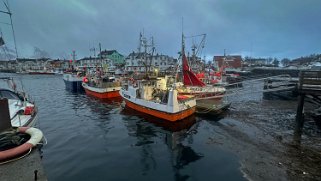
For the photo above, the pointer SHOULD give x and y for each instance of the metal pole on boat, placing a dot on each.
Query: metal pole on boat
(10, 15)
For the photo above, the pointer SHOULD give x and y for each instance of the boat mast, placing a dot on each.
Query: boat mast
(10, 15)
(100, 57)
(73, 59)
(147, 52)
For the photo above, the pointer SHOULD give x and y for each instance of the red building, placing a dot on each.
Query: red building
(230, 61)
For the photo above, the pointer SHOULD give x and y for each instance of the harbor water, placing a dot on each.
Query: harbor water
(90, 139)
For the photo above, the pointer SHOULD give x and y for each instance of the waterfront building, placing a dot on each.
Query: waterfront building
(34, 64)
(229, 61)
(7, 64)
(136, 61)
(114, 58)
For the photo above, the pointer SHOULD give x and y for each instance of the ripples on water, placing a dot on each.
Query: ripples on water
(93, 140)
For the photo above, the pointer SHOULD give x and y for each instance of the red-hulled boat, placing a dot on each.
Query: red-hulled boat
(102, 88)
(194, 86)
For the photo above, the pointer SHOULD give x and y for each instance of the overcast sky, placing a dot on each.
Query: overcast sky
(260, 28)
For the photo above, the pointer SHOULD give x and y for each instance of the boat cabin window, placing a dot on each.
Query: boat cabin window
(9, 95)
(108, 79)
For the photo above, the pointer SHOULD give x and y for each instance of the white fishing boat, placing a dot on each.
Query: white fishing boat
(23, 111)
(154, 98)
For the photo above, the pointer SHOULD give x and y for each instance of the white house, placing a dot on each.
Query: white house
(136, 62)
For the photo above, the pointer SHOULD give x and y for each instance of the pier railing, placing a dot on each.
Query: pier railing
(310, 82)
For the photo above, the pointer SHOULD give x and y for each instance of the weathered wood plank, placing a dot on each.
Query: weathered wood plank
(311, 74)
(311, 81)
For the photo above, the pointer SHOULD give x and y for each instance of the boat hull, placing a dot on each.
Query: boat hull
(74, 86)
(200, 96)
(41, 73)
(102, 93)
(159, 114)
(73, 82)
(200, 93)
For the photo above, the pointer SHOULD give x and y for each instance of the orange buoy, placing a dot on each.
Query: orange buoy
(85, 79)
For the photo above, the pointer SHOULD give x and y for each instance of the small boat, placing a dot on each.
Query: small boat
(23, 111)
(192, 85)
(40, 72)
(152, 97)
(73, 81)
(211, 108)
(73, 76)
(103, 88)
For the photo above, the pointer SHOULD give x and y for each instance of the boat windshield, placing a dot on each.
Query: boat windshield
(8, 94)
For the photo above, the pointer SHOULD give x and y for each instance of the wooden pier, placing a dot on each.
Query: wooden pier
(309, 84)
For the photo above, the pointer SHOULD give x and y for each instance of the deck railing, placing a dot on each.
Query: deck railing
(310, 82)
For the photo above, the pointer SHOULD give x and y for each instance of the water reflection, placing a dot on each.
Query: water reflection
(146, 128)
(102, 106)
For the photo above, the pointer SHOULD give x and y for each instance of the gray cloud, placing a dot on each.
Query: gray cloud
(276, 28)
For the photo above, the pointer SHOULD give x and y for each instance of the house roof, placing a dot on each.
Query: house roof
(108, 52)
(228, 57)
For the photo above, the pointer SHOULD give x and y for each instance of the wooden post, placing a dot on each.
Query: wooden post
(299, 112)
(5, 122)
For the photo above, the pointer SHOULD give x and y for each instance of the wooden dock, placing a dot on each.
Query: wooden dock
(309, 84)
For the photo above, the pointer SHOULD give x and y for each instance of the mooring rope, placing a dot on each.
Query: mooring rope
(18, 158)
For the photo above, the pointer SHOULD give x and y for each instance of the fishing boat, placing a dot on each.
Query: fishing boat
(40, 72)
(192, 85)
(211, 108)
(151, 96)
(101, 83)
(73, 81)
(23, 111)
(102, 87)
(73, 77)
(15, 141)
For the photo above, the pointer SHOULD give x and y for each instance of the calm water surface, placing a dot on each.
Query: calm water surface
(93, 140)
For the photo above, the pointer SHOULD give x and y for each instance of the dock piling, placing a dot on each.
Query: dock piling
(309, 84)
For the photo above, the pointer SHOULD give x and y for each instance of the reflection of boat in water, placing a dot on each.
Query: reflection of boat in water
(172, 135)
